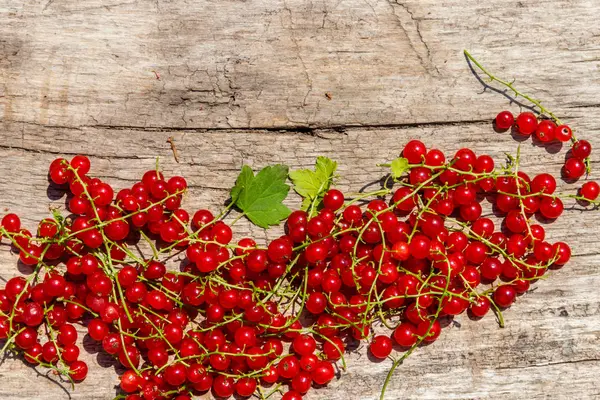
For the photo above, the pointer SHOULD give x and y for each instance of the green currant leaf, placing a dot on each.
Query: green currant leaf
(399, 166)
(260, 197)
(58, 217)
(312, 185)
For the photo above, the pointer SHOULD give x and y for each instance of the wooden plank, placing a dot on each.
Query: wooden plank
(548, 349)
(262, 64)
(222, 77)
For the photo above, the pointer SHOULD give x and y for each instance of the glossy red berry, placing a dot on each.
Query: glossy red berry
(480, 307)
(526, 123)
(414, 151)
(590, 190)
(323, 373)
(504, 120)
(574, 168)
(545, 131)
(405, 334)
(543, 183)
(505, 295)
(581, 149)
(175, 374)
(381, 346)
(288, 367)
(333, 200)
(11, 223)
(304, 345)
(78, 370)
(563, 133)
(562, 253)
(551, 208)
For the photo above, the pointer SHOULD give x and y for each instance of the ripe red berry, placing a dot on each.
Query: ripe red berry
(551, 208)
(435, 158)
(381, 346)
(562, 252)
(543, 183)
(245, 387)
(574, 168)
(545, 131)
(11, 223)
(563, 133)
(288, 367)
(333, 200)
(280, 250)
(480, 307)
(304, 345)
(323, 373)
(526, 123)
(175, 374)
(34, 354)
(26, 339)
(414, 151)
(405, 334)
(81, 164)
(505, 295)
(33, 314)
(581, 149)
(78, 370)
(504, 120)
(465, 159)
(590, 190)
(97, 329)
(291, 395)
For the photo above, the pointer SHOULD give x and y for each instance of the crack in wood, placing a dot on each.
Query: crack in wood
(303, 129)
(550, 364)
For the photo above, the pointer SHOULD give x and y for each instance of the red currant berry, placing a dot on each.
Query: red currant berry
(590, 190)
(414, 151)
(526, 123)
(545, 131)
(381, 346)
(78, 370)
(333, 200)
(581, 149)
(551, 208)
(405, 334)
(563, 133)
(505, 295)
(480, 307)
(504, 120)
(574, 168)
(323, 373)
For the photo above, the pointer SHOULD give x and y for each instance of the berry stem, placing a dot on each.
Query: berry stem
(542, 110)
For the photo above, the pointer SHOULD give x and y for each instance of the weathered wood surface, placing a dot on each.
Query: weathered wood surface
(245, 81)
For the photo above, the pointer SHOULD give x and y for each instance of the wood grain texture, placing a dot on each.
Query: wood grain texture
(239, 82)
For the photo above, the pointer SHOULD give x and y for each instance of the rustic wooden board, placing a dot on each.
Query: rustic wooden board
(245, 81)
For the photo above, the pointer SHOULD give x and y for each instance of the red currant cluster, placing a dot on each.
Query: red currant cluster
(546, 131)
(221, 321)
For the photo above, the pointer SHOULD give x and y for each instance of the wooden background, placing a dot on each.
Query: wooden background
(247, 81)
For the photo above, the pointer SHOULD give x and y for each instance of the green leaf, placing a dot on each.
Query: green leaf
(312, 185)
(58, 216)
(244, 178)
(260, 197)
(399, 166)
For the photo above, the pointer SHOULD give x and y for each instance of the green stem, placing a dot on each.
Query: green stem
(517, 93)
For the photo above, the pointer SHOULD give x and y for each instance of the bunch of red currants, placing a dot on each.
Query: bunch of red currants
(546, 131)
(235, 315)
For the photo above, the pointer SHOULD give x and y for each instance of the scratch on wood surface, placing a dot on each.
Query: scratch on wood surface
(424, 56)
(47, 5)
